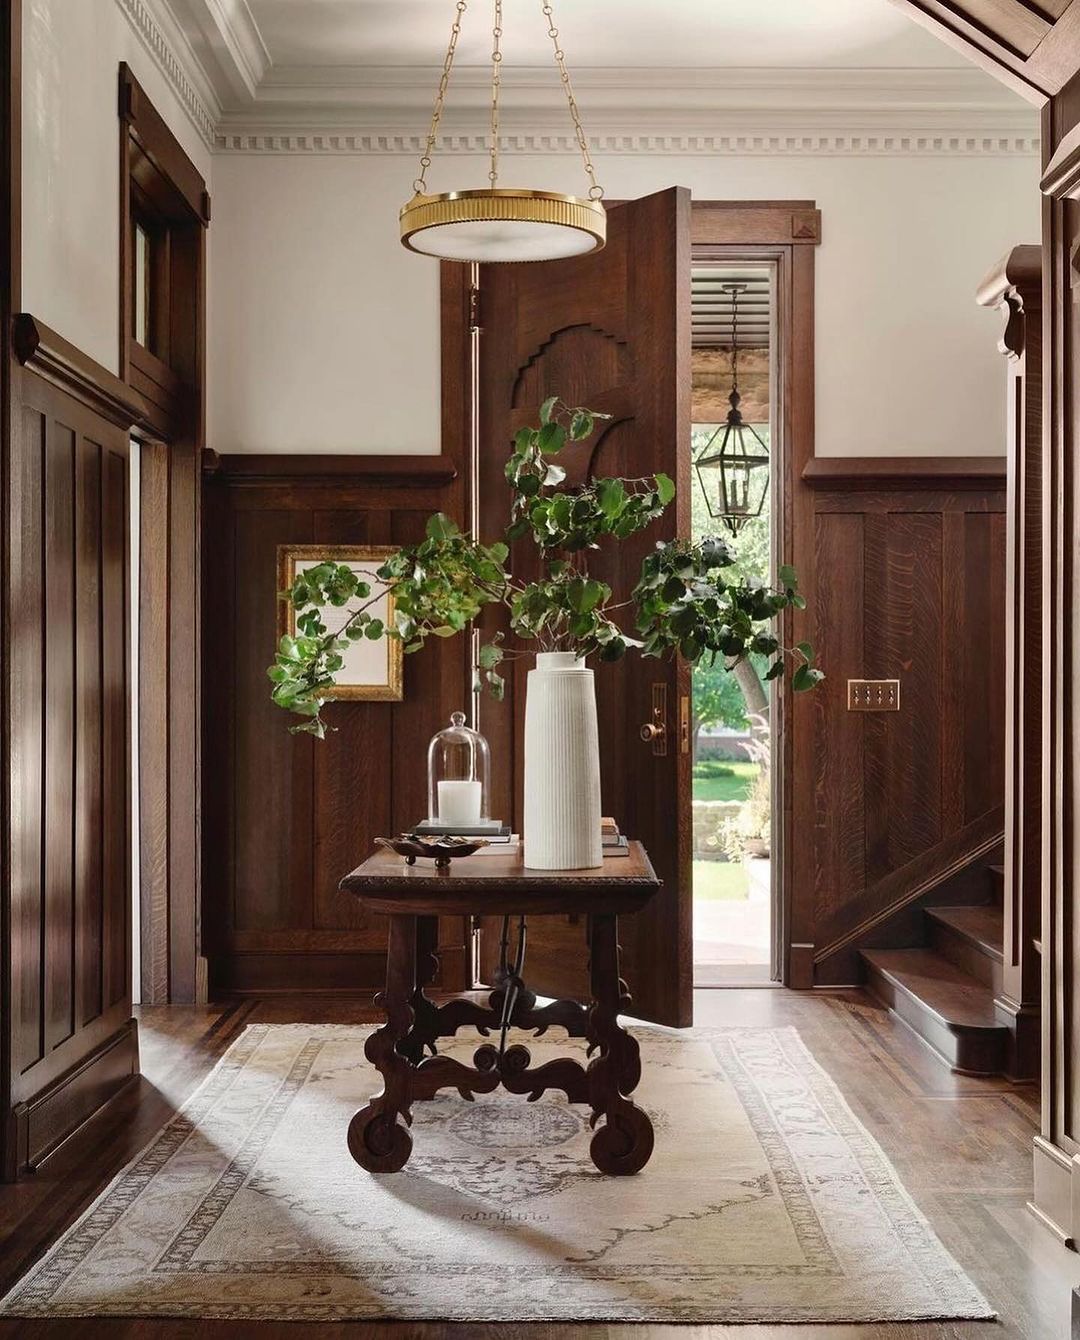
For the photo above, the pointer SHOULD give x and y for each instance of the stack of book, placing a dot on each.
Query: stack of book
(500, 841)
(614, 842)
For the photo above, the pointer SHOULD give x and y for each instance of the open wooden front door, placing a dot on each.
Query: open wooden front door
(610, 332)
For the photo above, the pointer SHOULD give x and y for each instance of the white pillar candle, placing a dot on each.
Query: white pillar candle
(459, 803)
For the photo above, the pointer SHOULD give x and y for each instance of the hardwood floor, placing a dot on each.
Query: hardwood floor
(961, 1145)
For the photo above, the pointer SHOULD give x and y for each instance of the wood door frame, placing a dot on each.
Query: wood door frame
(786, 234)
(154, 167)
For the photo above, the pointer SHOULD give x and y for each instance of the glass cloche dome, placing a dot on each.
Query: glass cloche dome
(459, 769)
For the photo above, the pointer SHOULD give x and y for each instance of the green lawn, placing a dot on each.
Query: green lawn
(717, 881)
(714, 780)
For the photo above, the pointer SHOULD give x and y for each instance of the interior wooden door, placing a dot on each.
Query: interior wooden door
(611, 332)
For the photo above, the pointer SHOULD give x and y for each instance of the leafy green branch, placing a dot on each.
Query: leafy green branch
(684, 603)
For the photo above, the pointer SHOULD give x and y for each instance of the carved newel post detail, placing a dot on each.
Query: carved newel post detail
(1014, 289)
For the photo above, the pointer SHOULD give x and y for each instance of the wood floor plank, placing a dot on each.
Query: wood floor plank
(961, 1145)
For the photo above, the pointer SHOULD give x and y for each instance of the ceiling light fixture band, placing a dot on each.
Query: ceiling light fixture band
(503, 224)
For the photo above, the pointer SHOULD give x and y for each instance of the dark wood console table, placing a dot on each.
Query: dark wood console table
(404, 1050)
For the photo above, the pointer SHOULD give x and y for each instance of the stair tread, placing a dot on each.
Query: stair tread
(939, 985)
(982, 924)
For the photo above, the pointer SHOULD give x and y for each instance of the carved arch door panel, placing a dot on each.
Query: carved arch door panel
(612, 332)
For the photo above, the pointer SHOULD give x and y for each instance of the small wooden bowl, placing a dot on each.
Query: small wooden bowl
(443, 849)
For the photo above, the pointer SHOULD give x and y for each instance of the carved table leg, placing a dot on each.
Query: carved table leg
(377, 1141)
(425, 1028)
(624, 1143)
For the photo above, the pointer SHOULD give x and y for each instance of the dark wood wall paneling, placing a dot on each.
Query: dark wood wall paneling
(910, 563)
(284, 816)
(71, 1037)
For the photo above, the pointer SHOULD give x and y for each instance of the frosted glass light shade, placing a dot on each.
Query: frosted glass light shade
(502, 225)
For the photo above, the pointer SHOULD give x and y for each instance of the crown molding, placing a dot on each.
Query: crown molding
(961, 89)
(213, 55)
(227, 43)
(165, 40)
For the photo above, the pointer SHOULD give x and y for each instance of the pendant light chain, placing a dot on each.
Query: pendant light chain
(596, 192)
(496, 82)
(504, 224)
(420, 184)
(735, 339)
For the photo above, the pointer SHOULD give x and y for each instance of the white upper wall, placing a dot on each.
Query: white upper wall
(72, 50)
(325, 334)
(323, 331)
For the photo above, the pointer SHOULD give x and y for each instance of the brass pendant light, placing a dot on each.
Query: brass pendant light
(499, 223)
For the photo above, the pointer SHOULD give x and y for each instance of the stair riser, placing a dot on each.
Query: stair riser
(967, 956)
(972, 1051)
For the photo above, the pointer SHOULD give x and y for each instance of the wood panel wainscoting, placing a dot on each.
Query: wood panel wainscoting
(70, 1040)
(910, 562)
(284, 816)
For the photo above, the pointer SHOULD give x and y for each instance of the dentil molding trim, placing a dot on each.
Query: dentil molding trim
(161, 35)
(240, 104)
(794, 143)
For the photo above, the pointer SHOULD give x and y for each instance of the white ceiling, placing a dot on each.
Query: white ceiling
(608, 33)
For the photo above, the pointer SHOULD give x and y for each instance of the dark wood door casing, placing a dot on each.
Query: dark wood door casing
(156, 175)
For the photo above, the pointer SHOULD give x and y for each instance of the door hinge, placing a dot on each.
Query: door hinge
(684, 723)
(474, 310)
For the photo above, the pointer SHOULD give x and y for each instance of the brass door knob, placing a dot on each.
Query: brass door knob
(653, 730)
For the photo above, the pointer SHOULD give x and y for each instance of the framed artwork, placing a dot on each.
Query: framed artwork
(373, 670)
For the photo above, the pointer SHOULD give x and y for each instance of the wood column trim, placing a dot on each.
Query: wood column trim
(1013, 288)
(10, 416)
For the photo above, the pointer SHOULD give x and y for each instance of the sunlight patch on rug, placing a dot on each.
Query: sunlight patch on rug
(765, 1200)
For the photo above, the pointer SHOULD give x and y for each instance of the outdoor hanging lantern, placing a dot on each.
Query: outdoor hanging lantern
(500, 223)
(735, 475)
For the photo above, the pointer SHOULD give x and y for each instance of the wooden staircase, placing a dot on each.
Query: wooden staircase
(945, 988)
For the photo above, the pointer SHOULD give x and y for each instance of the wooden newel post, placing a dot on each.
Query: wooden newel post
(1014, 288)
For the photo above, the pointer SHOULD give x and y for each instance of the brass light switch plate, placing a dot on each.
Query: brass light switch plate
(873, 695)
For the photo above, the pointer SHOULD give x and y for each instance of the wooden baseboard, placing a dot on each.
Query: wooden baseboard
(1052, 1198)
(284, 973)
(41, 1124)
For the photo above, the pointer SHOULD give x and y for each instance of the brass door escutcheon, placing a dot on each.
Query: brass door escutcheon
(654, 731)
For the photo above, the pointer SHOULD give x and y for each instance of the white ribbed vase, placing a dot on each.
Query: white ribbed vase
(562, 766)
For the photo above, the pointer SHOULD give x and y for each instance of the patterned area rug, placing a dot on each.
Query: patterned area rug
(764, 1201)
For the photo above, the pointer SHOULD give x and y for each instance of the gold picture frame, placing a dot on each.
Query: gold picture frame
(376, 667)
